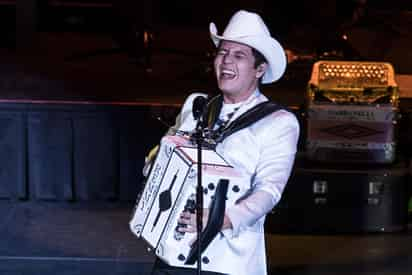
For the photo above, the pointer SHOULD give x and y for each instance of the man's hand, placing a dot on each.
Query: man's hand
(189, 219)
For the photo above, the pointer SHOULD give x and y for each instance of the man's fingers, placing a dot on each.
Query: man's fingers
(186, 215)
(187, 221)
(187, 229)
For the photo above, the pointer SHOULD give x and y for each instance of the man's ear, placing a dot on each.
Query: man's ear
(261, 69)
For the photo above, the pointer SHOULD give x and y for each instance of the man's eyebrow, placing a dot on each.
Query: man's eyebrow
(241, 52)
(235, 51)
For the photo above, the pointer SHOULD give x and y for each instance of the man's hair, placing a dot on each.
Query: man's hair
(259, 58)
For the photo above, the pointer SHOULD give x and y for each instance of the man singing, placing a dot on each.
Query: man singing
(263, 152)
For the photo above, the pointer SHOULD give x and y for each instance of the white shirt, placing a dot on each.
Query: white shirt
(265, 153)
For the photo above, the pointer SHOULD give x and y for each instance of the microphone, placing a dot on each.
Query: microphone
(198, 108)
(199, 104)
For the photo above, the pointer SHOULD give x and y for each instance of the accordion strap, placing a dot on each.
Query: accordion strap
(251, 116)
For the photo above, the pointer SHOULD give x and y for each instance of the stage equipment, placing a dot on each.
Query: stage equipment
(352, 112)
(171, 188)
(339, 200)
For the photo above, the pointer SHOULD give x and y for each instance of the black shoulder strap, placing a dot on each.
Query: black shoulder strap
(249, 117)
(254, 114)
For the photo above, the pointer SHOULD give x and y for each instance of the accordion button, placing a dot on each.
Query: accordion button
(211, 186)
(235, 189)
(181, 257)
(205, 260)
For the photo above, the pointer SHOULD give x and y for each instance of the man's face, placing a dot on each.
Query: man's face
(235, 71)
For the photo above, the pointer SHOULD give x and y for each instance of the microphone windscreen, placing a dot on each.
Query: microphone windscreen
(199, 104)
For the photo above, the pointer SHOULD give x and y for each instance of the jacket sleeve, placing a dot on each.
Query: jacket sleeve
(277, 144)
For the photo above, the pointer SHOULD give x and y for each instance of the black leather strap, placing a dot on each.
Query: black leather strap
(251, 116)
(248, 118)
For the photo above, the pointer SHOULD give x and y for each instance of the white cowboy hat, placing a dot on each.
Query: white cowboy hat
(248, 28)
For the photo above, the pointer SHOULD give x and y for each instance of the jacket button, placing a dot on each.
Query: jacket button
(205, 260)
(211, 186)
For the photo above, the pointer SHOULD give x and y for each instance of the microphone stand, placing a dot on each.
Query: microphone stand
(199, 195)
(198, 109)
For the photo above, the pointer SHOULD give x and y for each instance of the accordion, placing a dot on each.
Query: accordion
(170, 189)
(352, 112)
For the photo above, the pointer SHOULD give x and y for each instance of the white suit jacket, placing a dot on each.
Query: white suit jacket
(265, 153)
